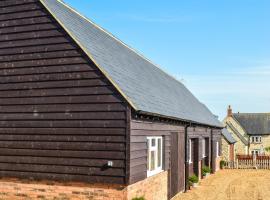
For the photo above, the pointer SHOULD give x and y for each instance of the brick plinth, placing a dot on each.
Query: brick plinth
(13, 189)
(152, 188)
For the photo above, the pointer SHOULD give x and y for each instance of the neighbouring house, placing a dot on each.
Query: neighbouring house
(77, 104)
(228, 142)
(250, 130)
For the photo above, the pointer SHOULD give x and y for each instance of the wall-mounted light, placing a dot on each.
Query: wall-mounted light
(110, 164)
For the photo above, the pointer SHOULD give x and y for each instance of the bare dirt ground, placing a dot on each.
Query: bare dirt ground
(232, 185)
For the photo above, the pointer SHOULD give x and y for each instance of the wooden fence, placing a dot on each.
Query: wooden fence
(249, 162)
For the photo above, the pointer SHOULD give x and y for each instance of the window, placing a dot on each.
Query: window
(217, 149)
(256, 139)
(255, 152)
(190, 151)
(154, 155)
(203, 148)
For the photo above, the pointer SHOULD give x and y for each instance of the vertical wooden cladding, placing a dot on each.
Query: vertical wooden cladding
(60, 118)
(138, 145)
(177, 172)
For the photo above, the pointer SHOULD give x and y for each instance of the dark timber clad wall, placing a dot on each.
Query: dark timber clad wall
(59, 117)
(138, 146)
(200, 133)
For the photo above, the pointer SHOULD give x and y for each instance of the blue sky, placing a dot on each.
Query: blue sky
(219, 49)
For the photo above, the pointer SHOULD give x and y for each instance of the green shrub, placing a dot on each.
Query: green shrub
(267, 149)
(139, 198)
(222, 164)
(206, 170)
(193, 179)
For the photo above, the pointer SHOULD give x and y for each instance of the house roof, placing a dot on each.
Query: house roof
(239, 135)
(254, 123)
(228, 136)
(145, 86)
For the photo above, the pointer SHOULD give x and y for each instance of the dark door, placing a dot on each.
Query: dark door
(177, 173)
(196, 156)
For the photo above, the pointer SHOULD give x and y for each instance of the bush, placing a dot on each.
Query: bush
(193, 179)
(222, 164)
(267, 149)
(206, 170)
(139, 198)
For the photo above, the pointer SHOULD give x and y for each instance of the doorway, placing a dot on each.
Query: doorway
(177, 170)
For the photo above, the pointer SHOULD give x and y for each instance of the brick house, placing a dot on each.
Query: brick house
(250, 130)
(79, 105)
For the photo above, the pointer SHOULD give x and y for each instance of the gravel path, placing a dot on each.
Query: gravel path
(232, 185)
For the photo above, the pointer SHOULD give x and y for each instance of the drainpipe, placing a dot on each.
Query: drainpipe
(186, 158)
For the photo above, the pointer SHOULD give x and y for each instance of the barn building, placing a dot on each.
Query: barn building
(77, 104)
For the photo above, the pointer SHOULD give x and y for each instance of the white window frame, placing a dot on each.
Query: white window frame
(190, 151)
(256, 150)
(217, 149)
(203, 147)
(154, 148)
(256, 139)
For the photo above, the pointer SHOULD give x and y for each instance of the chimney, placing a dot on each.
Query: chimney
(229, 112)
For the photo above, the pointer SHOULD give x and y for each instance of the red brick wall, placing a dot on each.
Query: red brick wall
(13, 189)
(152, 188)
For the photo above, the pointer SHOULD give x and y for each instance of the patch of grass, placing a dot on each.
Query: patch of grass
(139, 198)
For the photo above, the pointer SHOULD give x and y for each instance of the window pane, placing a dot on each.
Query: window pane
(203, 147)
(159, 152)
(148, 154)
(152, 167)
(153, 142)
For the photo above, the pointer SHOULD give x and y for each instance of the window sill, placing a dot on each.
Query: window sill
(153, 173)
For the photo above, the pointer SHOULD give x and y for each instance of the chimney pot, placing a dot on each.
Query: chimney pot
(229, 111)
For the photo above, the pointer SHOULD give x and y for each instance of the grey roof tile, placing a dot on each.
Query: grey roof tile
(254, 123)
(228, 136)
(144, 85)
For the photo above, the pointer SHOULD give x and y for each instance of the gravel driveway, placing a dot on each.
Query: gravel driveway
(232, 185)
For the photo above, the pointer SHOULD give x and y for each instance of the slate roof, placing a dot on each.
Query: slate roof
(146, 87)
(254, 123)
(228, 136)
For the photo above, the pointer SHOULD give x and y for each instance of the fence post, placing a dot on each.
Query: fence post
(236, 163)
(255, 161)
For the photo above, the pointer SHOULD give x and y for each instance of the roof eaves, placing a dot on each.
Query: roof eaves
(178, 119)
(228, 140)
